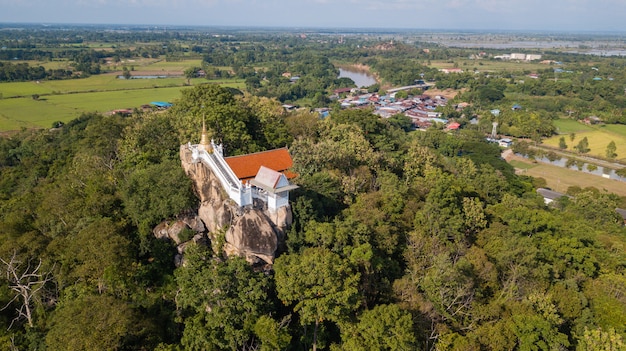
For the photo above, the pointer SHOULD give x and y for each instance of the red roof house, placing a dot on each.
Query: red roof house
(453, 126)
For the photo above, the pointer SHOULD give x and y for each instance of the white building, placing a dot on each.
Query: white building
(248, 177)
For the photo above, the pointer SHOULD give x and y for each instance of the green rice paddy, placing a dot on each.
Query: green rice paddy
(64, 100)
(598, 136)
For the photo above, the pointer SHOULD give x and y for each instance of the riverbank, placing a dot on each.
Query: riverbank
(575, 156)
(560, 178)
(360, 68)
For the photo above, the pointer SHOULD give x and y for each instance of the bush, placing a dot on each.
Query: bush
(186, 235)
(552, 156)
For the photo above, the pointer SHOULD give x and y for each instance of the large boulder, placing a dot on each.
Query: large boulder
(252, 236)
(281, 219)
(167, 230)
(216, 215)
(253, 232)
(194, 223)
(206, 185)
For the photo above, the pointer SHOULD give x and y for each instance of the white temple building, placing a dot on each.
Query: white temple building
(262, 175)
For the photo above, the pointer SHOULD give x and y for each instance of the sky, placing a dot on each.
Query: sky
(541, 15)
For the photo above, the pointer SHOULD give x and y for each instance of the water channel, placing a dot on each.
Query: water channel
(360, 78)
(582, 167)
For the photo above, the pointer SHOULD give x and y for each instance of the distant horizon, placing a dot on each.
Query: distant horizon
(7, 25)
(559, 16)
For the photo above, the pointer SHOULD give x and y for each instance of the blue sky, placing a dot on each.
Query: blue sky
(553, 15)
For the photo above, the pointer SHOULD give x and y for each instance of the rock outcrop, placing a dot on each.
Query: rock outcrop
(167, 230)
(253, 236)
(252, 232)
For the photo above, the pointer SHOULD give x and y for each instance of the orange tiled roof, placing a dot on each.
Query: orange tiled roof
(247, 166)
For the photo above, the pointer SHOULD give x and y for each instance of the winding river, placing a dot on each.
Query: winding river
(360, 78)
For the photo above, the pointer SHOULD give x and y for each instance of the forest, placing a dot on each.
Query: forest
(401, 239)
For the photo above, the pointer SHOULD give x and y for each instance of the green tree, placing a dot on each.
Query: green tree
(150, 140)
(401, 121)
(607, 301)
(272, 334)
(222, 300)
(385, 327)
(191, 72)
(97, 255)
(126, 73)
(583, 146)
(403, 94)
(537, 324)
(610, 150)
(92, 322)
(562, 144)
(321, 285)
(273, 131)
(302, 124)
(155, 193)
(230, 123)
(489, 94)
(600, 340)
(595, 207)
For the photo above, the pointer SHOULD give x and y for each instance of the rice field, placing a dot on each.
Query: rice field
(598, 136)
(65, 100)
(26, 112)
(103, 82)
(489, 65)
(567, 126)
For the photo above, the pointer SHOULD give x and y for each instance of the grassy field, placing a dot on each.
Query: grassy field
(103, 82)
(567, 126)
(559, 178)
(489, 65)
(108, 81)
(28, 113)
(163, 65)
(55, 64)
(65, 100)
(522, 165)
(599, 136)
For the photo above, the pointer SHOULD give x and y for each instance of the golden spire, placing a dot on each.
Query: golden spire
(204, 140)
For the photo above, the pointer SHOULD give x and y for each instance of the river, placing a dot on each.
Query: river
(360, 78)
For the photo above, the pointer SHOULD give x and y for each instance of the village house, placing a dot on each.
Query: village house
(505, 142)
(451, 70)
(592, 120)
(519, 56)
(550, 196)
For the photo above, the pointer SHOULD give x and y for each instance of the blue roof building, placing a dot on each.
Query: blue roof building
(161, 104)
